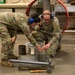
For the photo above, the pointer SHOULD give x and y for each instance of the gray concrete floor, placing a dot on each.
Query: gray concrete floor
(64, 60)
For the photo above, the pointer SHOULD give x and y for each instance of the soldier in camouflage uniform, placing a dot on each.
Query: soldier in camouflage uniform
(9, 24)
(48, 31)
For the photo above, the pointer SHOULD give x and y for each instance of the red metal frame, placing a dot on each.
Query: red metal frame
(60, 1)
(29, 7)
(67, 15)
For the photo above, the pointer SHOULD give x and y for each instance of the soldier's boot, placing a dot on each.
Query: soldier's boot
(52, 64)
(12, 56)
(6, 63)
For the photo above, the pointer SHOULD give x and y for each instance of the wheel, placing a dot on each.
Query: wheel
(22, 49)
(49, 70)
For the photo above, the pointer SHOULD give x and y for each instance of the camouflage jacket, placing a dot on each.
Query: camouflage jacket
(52, 29)
(15, 21)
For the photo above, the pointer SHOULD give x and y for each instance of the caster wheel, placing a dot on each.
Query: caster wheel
(49, 70)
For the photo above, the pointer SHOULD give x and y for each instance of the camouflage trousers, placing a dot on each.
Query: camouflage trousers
(7, 45)
(51, 51)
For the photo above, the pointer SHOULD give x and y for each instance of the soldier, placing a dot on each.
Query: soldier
(9, 24)
(49, 31)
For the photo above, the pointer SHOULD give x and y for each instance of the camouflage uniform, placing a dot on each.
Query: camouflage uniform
(9, 24)
(50, 33)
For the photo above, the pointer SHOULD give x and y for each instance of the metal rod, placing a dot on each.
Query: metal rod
(29, 62)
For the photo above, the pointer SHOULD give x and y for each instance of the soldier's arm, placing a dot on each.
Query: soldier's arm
(39, 25)
(37, 28)
(13, 34)
(25, 28)
(56, 31)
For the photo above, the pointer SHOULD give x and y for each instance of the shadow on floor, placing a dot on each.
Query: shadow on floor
(64, 57)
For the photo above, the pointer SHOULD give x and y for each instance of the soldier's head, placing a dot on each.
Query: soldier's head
(33, 19)
(47, 15)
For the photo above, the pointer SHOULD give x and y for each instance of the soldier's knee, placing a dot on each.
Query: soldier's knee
(35, 33)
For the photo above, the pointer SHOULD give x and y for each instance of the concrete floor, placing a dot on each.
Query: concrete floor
(64, 60)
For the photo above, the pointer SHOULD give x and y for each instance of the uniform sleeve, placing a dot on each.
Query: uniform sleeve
(25, 28)
(56, 31)
(21, 22)
(37, 27)
(12, 32)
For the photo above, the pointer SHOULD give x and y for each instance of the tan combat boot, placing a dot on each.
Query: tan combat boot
(6, 63)
(12, 56)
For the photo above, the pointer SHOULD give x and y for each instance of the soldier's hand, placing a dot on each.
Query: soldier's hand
(39, 48)
(46, 46)
(13, 39)
(43, 48)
